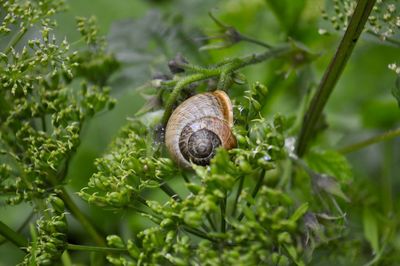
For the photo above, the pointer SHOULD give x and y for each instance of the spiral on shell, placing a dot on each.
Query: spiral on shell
(198, 126)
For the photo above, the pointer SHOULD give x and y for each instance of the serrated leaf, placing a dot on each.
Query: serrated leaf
(371, 232)
(330, 163)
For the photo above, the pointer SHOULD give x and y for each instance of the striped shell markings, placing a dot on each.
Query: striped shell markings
(198, 126)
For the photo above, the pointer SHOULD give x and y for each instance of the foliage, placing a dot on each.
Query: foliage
(50, 241)
(261, 203)
(43, 112)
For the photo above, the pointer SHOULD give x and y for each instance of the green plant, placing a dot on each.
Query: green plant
(276, 199)
(42, 115)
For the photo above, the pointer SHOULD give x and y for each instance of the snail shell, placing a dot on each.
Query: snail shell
(198, 126)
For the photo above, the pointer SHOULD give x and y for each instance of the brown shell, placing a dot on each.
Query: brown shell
(208, 114)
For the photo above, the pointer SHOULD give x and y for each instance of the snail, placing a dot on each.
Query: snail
(198, 126)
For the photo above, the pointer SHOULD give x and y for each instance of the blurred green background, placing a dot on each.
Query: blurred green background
(141, 35)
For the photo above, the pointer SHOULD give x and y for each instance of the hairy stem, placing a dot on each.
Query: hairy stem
(14, 237)
(375, 139)
(180, 85)
(333, 72)
(224, 69)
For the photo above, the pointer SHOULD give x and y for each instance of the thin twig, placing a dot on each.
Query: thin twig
(217, 71)
(375, 139)
(198, 233)
(80, 216)
(96, 249)
(255, 41)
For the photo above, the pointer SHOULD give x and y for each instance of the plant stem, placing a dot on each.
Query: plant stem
(258, 58)
(22, 226)
(238, 192)
(223, 214)
(178, 88)
(193, 68)
(142, 200)
(170, 191)
(95, 249)
(210, 221)
(376, 139)
(198, 233)
(255, 41)
(187, 180)
(229, 67)
(84, 221)
(333, 72)
(255, 191)
(14, 237)
(15, 39)
(175, 196)
(66, 259)
(44, 125)
(385, 179)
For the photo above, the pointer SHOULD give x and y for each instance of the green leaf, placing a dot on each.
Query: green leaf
(330, 163)
(294, 255)
(371, 231)
(299, 212)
